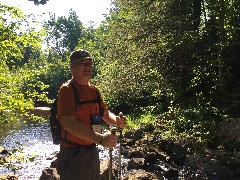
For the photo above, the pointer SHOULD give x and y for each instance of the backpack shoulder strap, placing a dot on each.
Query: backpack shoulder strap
(97, 93)
(76, 99)
(76, 94)
(99, 100)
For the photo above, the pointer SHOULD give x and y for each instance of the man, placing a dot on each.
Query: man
(78, 157)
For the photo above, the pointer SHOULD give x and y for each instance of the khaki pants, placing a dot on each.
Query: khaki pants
(78, 163)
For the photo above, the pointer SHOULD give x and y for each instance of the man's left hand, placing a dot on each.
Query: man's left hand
(121, 121)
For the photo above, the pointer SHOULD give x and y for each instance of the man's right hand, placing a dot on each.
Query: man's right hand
(109, 140)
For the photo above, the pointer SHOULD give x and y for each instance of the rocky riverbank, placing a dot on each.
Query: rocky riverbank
(150, 157)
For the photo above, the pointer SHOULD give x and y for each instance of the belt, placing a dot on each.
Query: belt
(79, 147)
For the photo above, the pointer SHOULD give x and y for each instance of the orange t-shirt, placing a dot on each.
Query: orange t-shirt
(66, 107)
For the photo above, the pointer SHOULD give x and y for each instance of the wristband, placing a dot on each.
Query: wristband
(100, 140)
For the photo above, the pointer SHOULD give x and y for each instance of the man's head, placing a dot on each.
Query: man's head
(81, 65)
(79, 55)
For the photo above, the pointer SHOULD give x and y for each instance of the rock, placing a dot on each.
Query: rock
(49, 174)
(154, 168)
(3, 151)
(229, 129)
(151, 157)
(178, 154)
(129, 135)
(129, 142)
(220, 165)
(9, 176)
(237, 173)
(135, 163)
(140, 175)
(104, 170)
(171, 173)
(136, 154)
(41, 111)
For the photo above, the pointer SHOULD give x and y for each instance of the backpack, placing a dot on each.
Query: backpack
(54, 122)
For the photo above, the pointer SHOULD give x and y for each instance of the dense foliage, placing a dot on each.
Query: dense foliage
(176, 61)
(19, 50)
(178, 57)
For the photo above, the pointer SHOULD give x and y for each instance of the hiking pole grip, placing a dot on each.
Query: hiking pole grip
(120, 129)
(120, 114)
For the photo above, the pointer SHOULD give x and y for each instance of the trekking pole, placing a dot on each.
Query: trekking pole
(113, 131)
(110, 165)
(120, 149)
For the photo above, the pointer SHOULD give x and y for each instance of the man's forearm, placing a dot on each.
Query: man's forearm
(71, 125)
(110, 118)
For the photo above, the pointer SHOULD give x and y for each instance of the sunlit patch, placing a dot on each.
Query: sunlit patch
(34, 150)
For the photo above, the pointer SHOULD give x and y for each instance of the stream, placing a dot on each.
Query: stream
(32, 140)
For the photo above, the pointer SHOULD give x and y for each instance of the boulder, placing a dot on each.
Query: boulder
(9, 176)
(49, 174)
(3, 150)
(141, 175)
(104, 170)
(41, 111)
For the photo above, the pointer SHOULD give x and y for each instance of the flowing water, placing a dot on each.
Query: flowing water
(30, 140)
(33, 140)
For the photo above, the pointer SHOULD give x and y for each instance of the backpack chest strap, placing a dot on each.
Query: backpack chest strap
(88, 102)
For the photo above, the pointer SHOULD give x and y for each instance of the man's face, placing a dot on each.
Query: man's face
(82, 69)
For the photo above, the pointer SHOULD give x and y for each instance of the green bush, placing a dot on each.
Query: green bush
(199, 123)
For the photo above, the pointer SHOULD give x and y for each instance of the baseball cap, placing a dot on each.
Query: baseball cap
(79, 55)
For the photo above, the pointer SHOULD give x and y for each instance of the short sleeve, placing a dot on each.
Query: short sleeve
(66, 105)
